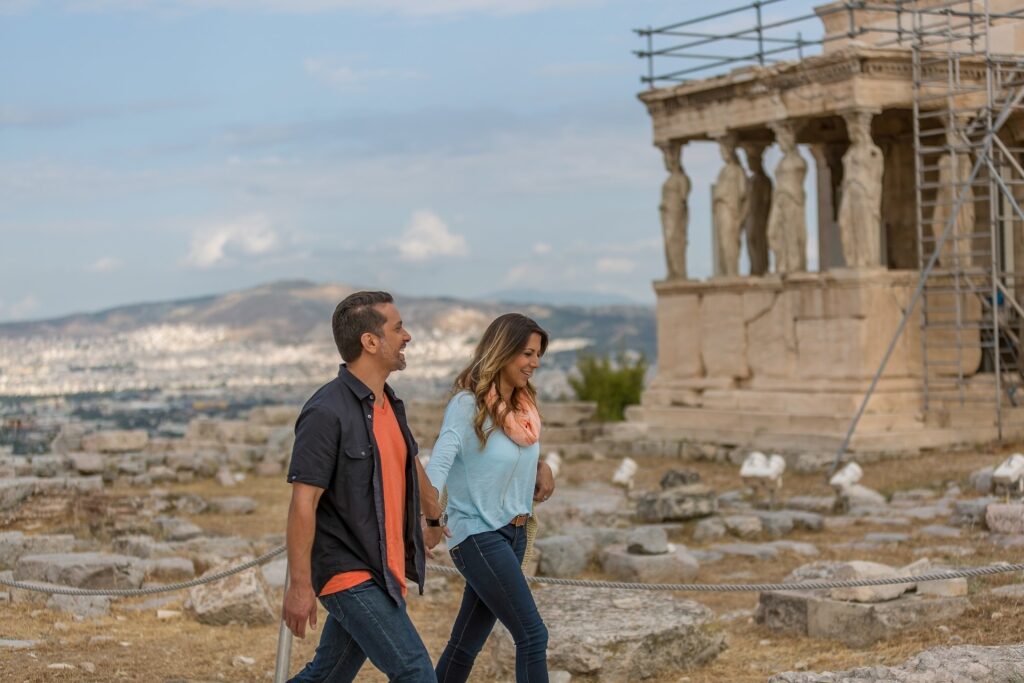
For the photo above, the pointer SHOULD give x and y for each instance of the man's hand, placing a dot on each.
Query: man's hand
(299, 607)
(545, 483)
(432, 535)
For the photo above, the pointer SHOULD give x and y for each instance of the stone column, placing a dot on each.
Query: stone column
(860, 208)
(760, 194)
(954, 171)
(787, 221)
(828, 167)
(674, 210)
(729, 207)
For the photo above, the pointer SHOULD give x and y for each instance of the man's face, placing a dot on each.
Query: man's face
(393, 338)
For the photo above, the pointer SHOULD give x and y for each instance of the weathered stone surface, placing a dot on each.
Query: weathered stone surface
(593, 504)
(48, 465)
(614, 635)
(981, 480)
(868, 570)
(948, 588)
(723, 334)
(274, 573)
(241, 598)
(672, 567)
(744, 526)
(14, 544)
(85, 606)
(856, 497)
(1014, 590)
(14, 491)
(709, 529)
(677, 504)
(855, 624)
(176, 529)
(140, 545)
(886, 537)
(959, 664)
(941, 531)
(820, 504)
(116, 441)
(87, 463)
(647, 540)
(674, 478)
(168, 569)
(232, 505)
(1005, 518)
(971, 513)
(81, 570)
(757, 551)
(560, 556)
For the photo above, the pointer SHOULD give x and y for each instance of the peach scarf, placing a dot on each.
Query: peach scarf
(522, 424)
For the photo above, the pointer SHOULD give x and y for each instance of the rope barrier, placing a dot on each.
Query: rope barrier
(549, 580)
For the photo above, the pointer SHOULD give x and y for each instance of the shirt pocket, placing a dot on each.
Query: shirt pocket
(357, 471)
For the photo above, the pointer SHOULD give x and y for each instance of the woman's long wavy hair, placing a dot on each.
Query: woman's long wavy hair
(504, 339)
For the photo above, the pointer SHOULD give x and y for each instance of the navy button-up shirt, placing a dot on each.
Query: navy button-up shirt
(335, 450)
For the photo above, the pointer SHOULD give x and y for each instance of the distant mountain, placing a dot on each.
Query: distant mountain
(298, 311)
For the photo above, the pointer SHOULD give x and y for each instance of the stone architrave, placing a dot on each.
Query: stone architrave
(730, 206)
(954, 172)
(860, 209)
(674, 210)
(787, 221)
(760, 194)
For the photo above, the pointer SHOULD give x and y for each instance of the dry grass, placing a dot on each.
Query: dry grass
(136, 646)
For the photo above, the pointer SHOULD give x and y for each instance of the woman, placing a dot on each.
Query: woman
(488, 456)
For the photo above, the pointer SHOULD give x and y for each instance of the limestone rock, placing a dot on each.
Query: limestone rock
(48, 465)
(981, 480)
(1005, 518)
(168, 569)
(648, 540)
(240, 598)
(857, 497)
(116, 441)
(709, 529)
(614, 635)
(959, 664)
(80, 570)
(84, 606)
(14, 544)
(14, 491)
(561, 556)
(820, 504)
(971, 513)
(868, 570)
(232, 505)
(744, 526)
(677, 504)
(176, 529)
(674, 478)
(274, 573)
(87, 463)
(672, 567)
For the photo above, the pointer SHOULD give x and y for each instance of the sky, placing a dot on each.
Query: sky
(162, 149)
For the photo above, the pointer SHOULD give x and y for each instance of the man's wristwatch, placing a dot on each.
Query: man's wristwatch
(441, 521)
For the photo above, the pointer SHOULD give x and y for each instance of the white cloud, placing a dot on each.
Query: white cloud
(403, 7)
(344, 75)
(218, 244)
(541, 248)
(104, 265)
(428, 237)
(18, 309)
(616, 265)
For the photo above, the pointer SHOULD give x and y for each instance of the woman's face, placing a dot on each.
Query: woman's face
(517, 372)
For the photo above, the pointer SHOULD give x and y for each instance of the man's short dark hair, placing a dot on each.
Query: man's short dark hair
(355, 316)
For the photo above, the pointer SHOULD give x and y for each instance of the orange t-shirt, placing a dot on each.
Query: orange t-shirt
(393, 454)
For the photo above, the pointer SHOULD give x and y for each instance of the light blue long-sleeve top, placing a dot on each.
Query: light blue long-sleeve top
(486, 488)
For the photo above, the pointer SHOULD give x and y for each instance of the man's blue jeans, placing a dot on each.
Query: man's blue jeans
(364, 622)
(495, 589)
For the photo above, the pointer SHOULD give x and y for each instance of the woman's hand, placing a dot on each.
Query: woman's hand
(432, 535)
(545, 483)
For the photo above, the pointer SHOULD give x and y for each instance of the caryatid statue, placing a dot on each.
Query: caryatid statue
(954, 172)
(787, 220)
(729, 207)
(675, 213)
(860, 208)
(760, 194)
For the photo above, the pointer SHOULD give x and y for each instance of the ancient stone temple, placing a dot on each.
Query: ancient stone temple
(893, 108)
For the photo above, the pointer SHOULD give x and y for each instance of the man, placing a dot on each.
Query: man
(353, 524)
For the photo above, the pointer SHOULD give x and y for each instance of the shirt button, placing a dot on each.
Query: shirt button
(369, 417)
(371, 397)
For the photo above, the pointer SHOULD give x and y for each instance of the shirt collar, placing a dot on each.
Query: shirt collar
(357, 387)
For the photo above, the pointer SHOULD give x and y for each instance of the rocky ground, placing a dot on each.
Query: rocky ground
(176, 529)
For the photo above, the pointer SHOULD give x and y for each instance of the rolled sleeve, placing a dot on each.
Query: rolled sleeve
(315, 454)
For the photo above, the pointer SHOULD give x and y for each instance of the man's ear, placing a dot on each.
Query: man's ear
(370, 342)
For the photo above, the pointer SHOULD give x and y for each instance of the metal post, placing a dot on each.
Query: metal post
(760, 34)
(650, 58)
(284, 644)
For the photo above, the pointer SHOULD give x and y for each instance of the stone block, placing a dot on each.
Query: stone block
(709, 529)
(14, 544)
(677, 504)
(819, 504)
(679, 336)
(771, 323)
(971, 513)
(14, 491)
(854, 624)
(176, 529)
(868, 570)
(647, 540)
(232, 505)
(115, 441)
(674, 478)
(87, 463)
(48, 465)
(948, 588)
(83, 606)
(1005, 518)
(80, 570)
(241, 598)
(744, 526)
(614, 635)
(981, 479)
(561, 556)
(723, 334)
(672, 567)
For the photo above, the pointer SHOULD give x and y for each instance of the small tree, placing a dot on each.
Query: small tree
(612, 384)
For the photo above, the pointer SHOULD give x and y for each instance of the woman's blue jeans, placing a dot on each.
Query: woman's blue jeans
(362, 622)
(495, 589)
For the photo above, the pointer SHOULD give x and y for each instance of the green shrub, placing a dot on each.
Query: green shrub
(613, 384)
